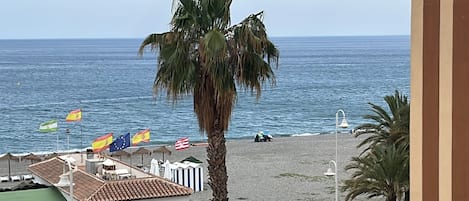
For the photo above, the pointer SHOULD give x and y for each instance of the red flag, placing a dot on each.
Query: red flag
(182, 143)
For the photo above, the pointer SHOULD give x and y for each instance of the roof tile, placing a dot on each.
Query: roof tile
(90, 188)
(50, 170)
(143, 188)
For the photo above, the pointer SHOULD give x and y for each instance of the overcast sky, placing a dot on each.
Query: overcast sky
(20, 19)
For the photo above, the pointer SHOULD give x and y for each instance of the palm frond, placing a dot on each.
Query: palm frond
(387, 127)
(153, 40)
(251, 54)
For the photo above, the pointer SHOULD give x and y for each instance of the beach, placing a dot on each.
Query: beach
(288, 168)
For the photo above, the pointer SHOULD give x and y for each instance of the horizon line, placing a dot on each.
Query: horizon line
(128, 38)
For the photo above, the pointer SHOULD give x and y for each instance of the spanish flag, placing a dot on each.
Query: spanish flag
(74, 115)
(142, 136)
(101, 143)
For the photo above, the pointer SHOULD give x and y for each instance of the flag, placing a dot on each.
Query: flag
(182, 143)
(101, 143)
(120, 143)
(142, 136)
(48, 126)
(74, 115)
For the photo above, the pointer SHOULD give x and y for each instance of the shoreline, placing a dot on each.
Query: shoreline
(171, 143)
(288, 168)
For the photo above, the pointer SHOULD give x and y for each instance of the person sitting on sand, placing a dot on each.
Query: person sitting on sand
(259, 137)
(268, 138)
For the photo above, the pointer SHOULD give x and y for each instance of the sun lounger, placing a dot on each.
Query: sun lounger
(27, 177)
(4, 179)
(15, 178)
(121, 171)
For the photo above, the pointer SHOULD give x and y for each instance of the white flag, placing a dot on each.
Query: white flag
(49, 126)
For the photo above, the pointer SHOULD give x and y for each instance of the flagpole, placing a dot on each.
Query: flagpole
(130, 155)
(57, 131)
(81, 143)
(67, 130)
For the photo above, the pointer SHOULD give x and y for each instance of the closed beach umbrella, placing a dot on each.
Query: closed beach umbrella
(162, 150)
(155, 167)
(32, 157)
(142, 151)
(9, 157)
(167, 170)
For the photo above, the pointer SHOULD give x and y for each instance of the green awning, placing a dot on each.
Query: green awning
(191, 159)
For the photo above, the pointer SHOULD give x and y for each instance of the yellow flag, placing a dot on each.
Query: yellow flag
(74, 115)
(102, 143)
(142, 136)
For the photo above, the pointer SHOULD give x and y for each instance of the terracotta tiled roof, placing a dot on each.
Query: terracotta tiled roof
(85, 185)
(50, 170)
(143, 188)
(91, 188)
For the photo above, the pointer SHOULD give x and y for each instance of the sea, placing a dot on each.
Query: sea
(316, 77)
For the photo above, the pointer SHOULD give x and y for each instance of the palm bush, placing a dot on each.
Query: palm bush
(382, 169)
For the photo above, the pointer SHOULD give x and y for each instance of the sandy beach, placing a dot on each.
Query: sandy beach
(288, 168)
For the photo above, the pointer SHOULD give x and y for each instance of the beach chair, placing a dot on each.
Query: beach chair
(4, 179)
(15, 178)
(27, 177)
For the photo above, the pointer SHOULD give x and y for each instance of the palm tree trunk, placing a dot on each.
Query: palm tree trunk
(391, 197)
(407, 195)
(216, 153)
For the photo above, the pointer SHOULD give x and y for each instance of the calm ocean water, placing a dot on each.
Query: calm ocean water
(45, 79)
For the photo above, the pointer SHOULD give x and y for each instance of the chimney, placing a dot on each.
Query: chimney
(89, 154)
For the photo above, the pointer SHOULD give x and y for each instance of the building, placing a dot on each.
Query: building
(439, 137)
(105, 179)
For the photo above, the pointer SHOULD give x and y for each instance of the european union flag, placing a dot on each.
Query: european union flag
(120, 143)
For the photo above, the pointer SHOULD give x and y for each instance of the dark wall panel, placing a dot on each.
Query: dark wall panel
(431, 35)
(460, 152)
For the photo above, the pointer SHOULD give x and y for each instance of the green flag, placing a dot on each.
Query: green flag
(49, 126)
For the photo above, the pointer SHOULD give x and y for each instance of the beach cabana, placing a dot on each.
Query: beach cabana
(162, 150)
(9, 157)
(142, 151)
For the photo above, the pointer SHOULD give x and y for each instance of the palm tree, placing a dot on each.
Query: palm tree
(384, 130)
(384, 171)
(203, 55)
(387, 128)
